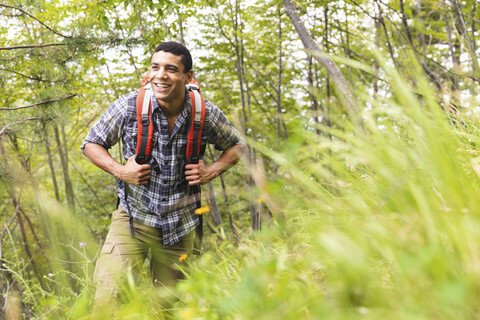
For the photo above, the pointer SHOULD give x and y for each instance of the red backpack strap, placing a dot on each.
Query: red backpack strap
(195, 130)
(144, 124)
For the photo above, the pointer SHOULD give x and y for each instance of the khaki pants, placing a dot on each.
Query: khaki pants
(122, 254)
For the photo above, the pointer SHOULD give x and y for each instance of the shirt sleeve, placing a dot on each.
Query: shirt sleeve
(107, 131)
(222, 134)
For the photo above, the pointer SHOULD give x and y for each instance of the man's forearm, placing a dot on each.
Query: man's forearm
(131, 172)
(102, 159)
(227, 160)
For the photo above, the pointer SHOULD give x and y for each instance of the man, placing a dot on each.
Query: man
(157, 198)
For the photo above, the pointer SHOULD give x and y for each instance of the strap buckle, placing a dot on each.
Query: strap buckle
(193, 159)
(142, 158)
(192, 86)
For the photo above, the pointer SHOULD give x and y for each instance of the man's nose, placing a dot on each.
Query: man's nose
(160, 73)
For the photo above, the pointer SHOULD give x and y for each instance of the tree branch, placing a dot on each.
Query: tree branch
(28, 77)
(34, 18)
(5, 129)
(28, 46)
(41, 102)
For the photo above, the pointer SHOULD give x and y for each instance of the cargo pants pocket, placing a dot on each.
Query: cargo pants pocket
(106, 270)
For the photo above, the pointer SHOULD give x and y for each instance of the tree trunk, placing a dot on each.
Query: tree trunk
(387, 38)
(279, 83)
(376, 66)
(341, 84)
(311, 94)
(50, 164)
(215, 212)
(180, 27)
(227, 204)
(17, 212)
(326, 106)
(239, 67)
(474, 41)
(462, 30)
(63, 152)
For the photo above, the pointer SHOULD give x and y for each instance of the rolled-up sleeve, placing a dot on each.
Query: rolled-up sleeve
(107, 131)
(222, 134)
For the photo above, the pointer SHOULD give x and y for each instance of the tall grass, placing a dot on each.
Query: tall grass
(379, 223)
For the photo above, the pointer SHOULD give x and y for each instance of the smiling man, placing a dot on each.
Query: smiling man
(157, 199)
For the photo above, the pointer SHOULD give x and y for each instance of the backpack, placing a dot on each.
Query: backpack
(145, 137)
(145, 125)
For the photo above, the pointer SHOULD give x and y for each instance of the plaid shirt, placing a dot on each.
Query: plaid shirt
(167, 201)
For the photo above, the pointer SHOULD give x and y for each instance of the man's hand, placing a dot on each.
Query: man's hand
(131, 172)
(134, 173)
(200, 174)
(197, 174)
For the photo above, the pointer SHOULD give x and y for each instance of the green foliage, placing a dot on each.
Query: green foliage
(389, 231)
(380, 223)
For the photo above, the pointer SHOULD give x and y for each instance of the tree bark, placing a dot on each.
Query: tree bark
(326, 106)
(311, 94)
(240, 73)
(279, 83)
(50, 164)
(227, 204)
(17, 212)
(216, 217)
(63, 152)
(474, 41)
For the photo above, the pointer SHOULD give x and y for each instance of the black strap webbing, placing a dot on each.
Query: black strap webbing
(144, 141)
(196, 131)
(130, 217)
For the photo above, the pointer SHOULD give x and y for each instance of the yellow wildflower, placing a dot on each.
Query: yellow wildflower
(186, 314)
(202, 210)
(260, 200)
(183, 257)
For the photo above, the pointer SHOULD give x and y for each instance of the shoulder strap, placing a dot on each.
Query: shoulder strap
(195, 130)
(193, 153)
(144, 124)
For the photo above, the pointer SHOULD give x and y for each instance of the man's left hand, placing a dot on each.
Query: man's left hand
(197, 174)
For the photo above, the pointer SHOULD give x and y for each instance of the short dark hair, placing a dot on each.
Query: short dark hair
(177, 49)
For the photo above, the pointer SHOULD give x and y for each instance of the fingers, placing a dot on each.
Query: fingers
(192, 174)
(197, 174)
(137, 174)
(144, 180)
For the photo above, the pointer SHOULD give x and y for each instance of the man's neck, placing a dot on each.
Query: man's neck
(172, 109)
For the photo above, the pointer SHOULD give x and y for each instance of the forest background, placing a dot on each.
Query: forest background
(357, 198)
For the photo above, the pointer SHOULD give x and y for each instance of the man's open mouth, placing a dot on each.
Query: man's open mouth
(162, 86)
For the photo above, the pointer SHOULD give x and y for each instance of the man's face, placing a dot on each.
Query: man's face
(167, 77)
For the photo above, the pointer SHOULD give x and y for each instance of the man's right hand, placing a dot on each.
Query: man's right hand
(131, 172)
(134, 173)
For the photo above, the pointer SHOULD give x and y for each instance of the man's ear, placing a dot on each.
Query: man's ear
(189, 76)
